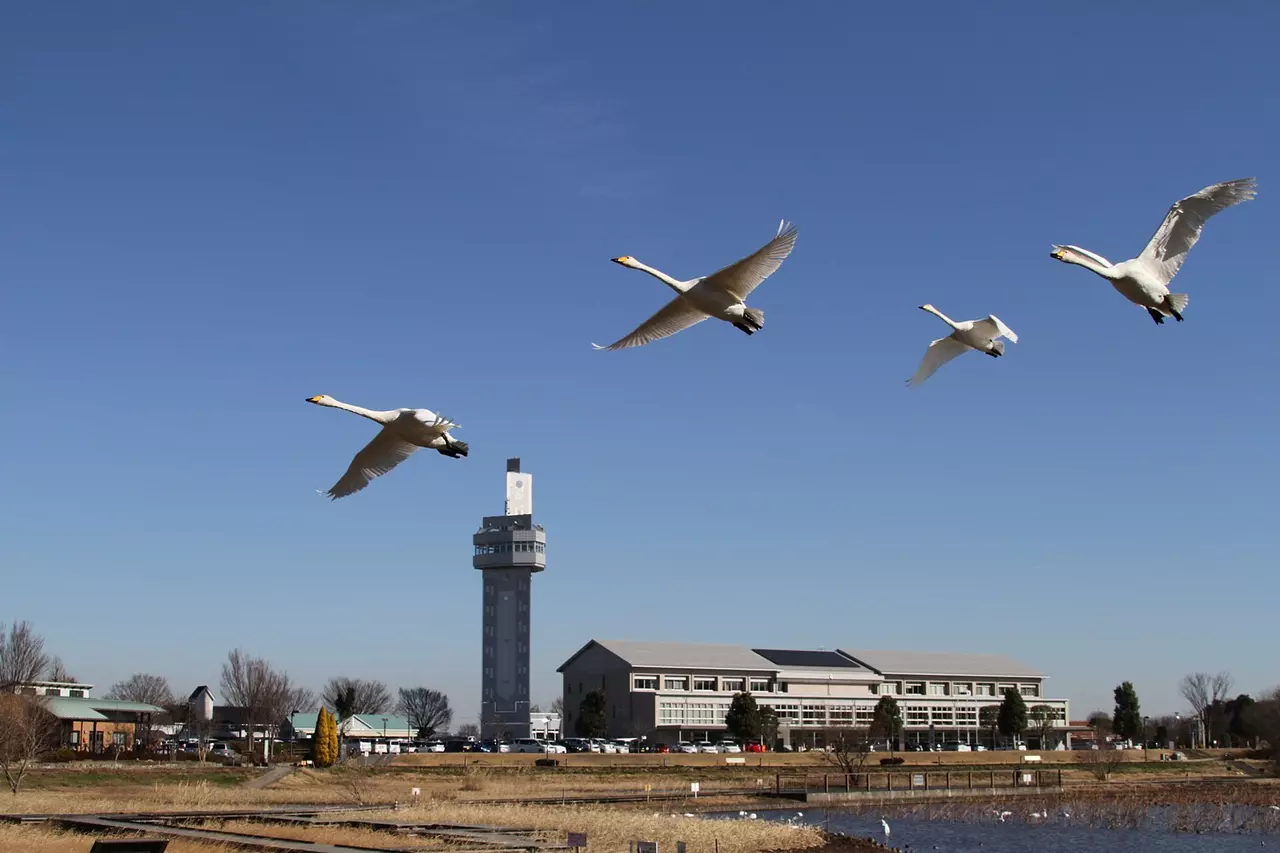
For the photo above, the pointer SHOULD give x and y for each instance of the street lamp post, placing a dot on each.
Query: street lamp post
(1144, 738)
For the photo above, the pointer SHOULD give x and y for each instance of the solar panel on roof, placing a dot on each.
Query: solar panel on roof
(805, 657)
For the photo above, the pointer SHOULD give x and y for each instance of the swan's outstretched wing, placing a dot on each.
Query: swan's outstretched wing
(744, 276)
(993, 326)
(676, 316)
(376, 458)
(1182, 224)
(940, 352)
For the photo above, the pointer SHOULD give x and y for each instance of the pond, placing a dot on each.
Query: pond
(1056, 833)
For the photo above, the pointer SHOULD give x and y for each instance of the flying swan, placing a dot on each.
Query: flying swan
(403, 432)
(981, 335)
(1144, 280)
(721, 295)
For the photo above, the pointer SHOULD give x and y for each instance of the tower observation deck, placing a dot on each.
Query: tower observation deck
(509, 548)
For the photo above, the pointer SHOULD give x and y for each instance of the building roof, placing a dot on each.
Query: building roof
(195, 694)
(357, 725)
(806, 659)
(659, 655)
(68, 708)
(941, 663)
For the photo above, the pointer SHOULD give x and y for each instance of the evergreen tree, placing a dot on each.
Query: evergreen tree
(592, 720)
(743, 717)
(989, 718)
(1126, 720)
(1012, 720)
(886, 721)
(768, 726)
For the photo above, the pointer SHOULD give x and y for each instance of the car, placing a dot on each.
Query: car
(956, 746)
(553, 748)
(604, 745)
(686, 746)
(527, 745)
(577, 744)
(979, 748)
(662, 747)
(728, 746)
(620, 747)
(707, 746)
(221, 750)
(755, 746)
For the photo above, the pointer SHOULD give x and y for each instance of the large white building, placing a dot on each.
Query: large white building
(681, 691)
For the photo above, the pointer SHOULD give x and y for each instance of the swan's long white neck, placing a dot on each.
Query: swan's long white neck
(1088, 260)
(371, 414)
(675, 284)
(945, 318)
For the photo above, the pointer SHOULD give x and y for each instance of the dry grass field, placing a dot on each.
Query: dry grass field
(485, 789)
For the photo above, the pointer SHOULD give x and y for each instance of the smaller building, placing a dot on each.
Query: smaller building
(545, 725)
(87, 724)
(361, 727)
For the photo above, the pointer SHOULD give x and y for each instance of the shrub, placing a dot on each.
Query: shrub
(894, 760)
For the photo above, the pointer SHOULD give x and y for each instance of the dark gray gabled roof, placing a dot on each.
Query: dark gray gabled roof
(942, 663)
(659, 655)
(805, 659)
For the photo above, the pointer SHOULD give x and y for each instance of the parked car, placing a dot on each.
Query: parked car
(728, 746)
(956, 746)
(577, 744)
(221, 750)
(686, 746)
(707, 746)
(619, 746)
(661, 747)
(755, 746)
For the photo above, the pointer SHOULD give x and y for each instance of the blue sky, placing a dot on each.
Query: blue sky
(214, 211)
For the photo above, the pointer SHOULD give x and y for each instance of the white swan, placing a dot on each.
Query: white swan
(885, 824)
(403, 432)
(721, 295)
(981, 335)
(1144, 280)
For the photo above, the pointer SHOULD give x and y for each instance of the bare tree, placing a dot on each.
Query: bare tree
(58, 671)
(426, 710)
(27, 730)
(1202, 692)
(22, 655)
(141, 687)
(264, 692)
(848, 749)
(1043, 718)
(468, 730)
(302, 699)
(351, 696)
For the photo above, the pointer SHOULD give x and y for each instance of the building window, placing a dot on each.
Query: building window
(917, 715)
(646, 682)
(984, 690)
(704, 682)
(77, 694)
(814, 715)
(942, 716)
(759, 685)
(118, 738)
(1030, 690)
(675, 683)
(787, 713)
(52, 691)
(782, 687)
(915, 688)
(1005, 687)
(840, 715)
(866, 713)
(75, 737)
(964, 689)
(938, 688)
(731, 685)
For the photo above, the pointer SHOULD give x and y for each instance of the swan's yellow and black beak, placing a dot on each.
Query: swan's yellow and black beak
(622, 260)
(1057, 254)
(315, 399)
